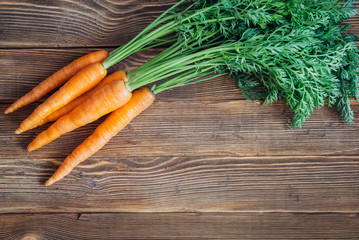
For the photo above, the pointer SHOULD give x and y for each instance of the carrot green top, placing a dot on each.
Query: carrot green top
(199, 21)
(307, 60)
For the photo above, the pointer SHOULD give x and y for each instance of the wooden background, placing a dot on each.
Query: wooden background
(200, 163)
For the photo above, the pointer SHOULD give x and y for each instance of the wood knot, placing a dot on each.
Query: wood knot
(31, 236)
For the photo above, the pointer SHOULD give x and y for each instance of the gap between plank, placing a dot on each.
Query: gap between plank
(192, 213)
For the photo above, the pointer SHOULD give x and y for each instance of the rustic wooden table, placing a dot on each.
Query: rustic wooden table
(201, 162)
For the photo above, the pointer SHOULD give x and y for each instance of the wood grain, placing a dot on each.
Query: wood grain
(179, 226)
(183, 183)
(222, 128)
(67, 23)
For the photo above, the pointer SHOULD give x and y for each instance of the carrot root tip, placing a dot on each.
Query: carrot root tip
(48, 182)
(31, 147)
(18, 131)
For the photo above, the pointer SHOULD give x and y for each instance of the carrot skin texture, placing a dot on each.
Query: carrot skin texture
(115, 122)
(105, 100)
(57, 79)
(82, 82)
(119, 75)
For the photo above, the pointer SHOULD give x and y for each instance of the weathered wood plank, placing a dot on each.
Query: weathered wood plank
(227, 128)
(180, 226)
(23, 69)
(182, 183)
(67, 23)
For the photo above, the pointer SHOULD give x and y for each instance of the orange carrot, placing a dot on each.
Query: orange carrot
(105, 100)
(57, 79)
(119, 75)
(115, 122)
(83, 81)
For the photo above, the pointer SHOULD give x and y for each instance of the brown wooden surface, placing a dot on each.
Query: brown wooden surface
(180, 226)
(201, 162)
(68, 23)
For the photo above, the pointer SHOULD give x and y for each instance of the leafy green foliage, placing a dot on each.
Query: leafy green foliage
(206, 23)
(307, 61)
(225, 19)
(293, 50)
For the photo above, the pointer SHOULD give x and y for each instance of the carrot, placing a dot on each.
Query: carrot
(83, 81)
(115, 122)
(119, 75)
(57, 79)
(105, 100)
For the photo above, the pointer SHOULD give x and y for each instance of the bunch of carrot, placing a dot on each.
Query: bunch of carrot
(211, 38)
(89, 95)
(86, 96)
